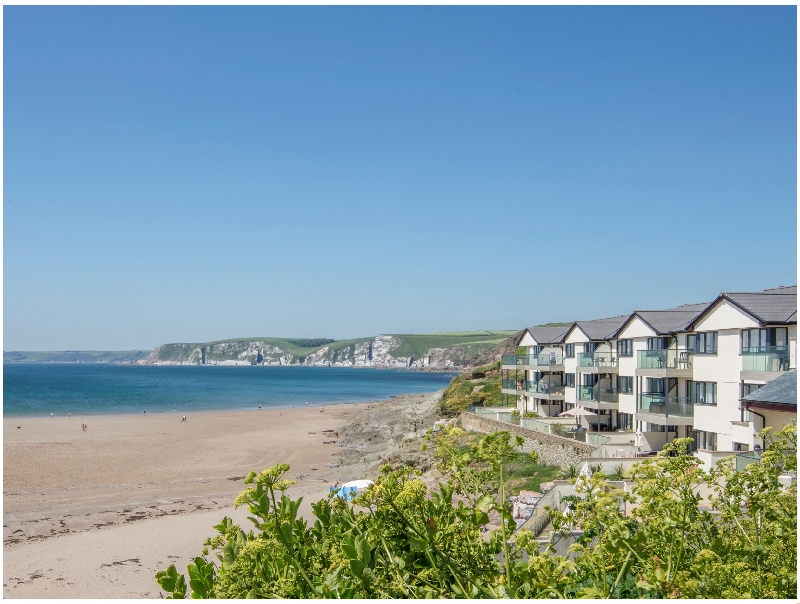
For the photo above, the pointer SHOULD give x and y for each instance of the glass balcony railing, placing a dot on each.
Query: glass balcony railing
(671, 358)
(598, 395)
(542, 387)
(658, 404)
(766, 358)
(514, 384)
(597, 359)
(545, 359)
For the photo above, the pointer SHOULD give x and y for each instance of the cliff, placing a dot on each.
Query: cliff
(453, 350)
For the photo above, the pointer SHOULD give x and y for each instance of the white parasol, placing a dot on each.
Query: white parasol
(639, 440)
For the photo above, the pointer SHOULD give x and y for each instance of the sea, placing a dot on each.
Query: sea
(39, 389)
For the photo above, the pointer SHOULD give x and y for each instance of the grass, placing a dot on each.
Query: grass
(73, 356)
(460, 393)
(524, 474)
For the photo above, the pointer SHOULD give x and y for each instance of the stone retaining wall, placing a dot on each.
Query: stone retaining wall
(552, 449)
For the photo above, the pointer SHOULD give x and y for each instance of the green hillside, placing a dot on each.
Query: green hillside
(74, 356)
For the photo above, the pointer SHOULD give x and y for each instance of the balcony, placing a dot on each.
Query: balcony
(764, 362)
(511, 386)
(656, 408)
(598, 398)
(598, 362)
(545, 390)
(672, 362)
(546, 361)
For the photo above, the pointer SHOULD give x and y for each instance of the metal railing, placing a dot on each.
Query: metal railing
(658, 404)
(597, 359)
(765, 358)
(671, 358)
(597, 394)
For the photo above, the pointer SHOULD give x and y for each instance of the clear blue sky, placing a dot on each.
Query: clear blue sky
(189, 174)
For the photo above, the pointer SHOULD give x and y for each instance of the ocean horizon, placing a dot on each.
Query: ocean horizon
(39, 389)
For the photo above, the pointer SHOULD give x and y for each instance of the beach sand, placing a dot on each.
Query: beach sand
(98, 513)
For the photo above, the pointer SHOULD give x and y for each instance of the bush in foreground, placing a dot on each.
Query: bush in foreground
(397, 540)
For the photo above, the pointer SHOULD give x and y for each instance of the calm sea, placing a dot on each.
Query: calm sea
(86, 389)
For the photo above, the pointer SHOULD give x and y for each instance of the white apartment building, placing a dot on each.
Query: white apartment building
(680, 372)
(739, 343)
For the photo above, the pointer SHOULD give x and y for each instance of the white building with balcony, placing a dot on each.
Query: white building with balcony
(681, 372)
(739, 343)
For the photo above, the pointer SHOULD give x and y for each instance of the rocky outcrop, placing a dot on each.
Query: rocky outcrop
(383, 351)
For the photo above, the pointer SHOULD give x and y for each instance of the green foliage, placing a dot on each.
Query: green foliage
(311, 343)
(74, 356)
(400, 540)
(461, 392)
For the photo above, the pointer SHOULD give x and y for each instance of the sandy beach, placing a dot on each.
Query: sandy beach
(97, 513)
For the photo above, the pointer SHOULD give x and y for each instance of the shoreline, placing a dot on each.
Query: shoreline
(459, 369)
(129, 487)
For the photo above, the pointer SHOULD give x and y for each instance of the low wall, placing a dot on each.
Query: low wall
(552, 449)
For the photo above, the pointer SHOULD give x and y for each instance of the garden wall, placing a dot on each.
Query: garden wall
(552, 449)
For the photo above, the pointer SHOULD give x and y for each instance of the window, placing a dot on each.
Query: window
(590, 379)
(654, 385)
(703, 343)
(625, 384)
(705, 440)
(569, 351)
(625, 348)
(625, 421)
(740, 447)
(590, 346)
(658, 343)
(570, 380)
(702, 393)
(536, 349)
(750, 388)
(755, 339)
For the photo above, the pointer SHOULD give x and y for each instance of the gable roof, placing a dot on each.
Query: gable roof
(668, 321)
(782, 390)
(548, 335)
(778, 305)
(600, 329)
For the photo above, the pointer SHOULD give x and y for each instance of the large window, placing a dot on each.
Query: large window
(625, 384)
(569, 351)
(625, 421)
(570, 377)
(755, 340)
(705, 440)
(654, 385)
(590, 346)
(590, 379)
(625, 348)
(658, 343)
(537, 349)
(702, 393)
(703, 343)
(750, 388)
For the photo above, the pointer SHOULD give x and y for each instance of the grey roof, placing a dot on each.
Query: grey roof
(602, 329)
(783, 289)
(782, 390)
(549, 335)
(669, 321)
(768, 307)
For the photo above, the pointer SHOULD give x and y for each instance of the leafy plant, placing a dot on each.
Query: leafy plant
(399, 539)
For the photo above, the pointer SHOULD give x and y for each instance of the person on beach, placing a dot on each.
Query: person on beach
(144, 412)
(51, 416)
(69, 415)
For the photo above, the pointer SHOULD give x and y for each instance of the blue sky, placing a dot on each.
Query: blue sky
(189, 174)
